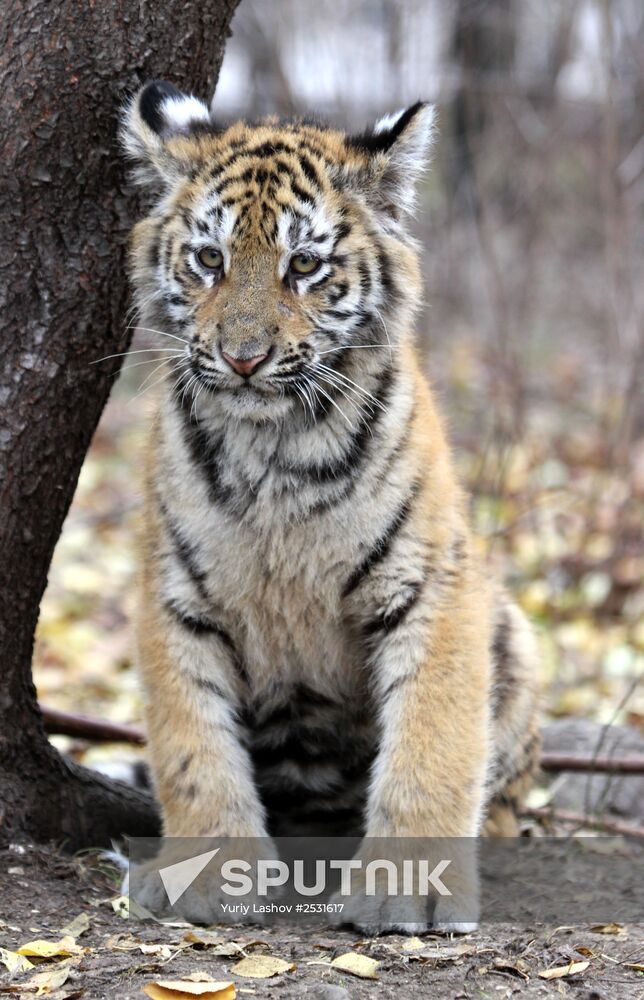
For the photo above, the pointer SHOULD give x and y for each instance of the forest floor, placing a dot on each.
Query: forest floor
(47, 896)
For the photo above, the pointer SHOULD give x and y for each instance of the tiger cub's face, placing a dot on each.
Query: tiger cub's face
(273, 249)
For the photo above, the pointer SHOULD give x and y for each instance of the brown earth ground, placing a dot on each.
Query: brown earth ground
(41, 891)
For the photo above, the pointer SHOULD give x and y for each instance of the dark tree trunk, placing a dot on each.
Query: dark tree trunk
(483, 48)
(65, 212)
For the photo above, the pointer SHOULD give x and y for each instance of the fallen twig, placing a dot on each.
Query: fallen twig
(102, 731)
(609, 765)
(579, 819)
(86, 728)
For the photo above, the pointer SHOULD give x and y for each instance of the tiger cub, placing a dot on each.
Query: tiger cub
(321, 647)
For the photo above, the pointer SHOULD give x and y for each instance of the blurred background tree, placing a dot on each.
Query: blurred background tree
(532, 247)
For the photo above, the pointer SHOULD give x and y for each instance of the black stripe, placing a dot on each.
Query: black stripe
(309, 171)
(242, 178)
(200, 625)
(184, 552)
(341, 290)
(341, 233)
(504, 680)
(300, 193)
(359, 440)
(205, 452)
(388, 621)
(382, 546)
(206, 684)
(154, 256)
(386, 274)
(365, 276)
(398, 683)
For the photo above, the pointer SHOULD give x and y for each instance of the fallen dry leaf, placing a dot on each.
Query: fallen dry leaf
(413, 944)
(638, 966)
(357, 965)
(79, 925)
(212, 941)
(155, 949)
(122, 942)
(13, 961)
(51, 949)
(47, 982)
(448, 953)
(179, 989)
(262, 966)
(518, 968)
(205, 938)
(608, 929)
(564, 970)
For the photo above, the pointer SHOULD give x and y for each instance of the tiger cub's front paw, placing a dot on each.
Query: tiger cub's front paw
(189, 885)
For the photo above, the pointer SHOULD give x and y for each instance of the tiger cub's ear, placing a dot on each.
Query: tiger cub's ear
(397, 152)
(158, 114)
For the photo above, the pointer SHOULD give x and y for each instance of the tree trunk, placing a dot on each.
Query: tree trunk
(65, 212)
(483, 48)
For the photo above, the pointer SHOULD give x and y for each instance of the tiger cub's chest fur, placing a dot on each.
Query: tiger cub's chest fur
(274, 583)
(270, 570)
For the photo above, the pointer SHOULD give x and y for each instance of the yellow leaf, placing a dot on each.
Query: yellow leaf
(179, 989)
(564, 970)
(412, 944)
(14, 962)
(357, 965)
(51, 949)
(77, 926)
(607, 929)
(262, 966)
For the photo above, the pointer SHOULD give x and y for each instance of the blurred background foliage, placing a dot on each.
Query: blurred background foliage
(532, 245)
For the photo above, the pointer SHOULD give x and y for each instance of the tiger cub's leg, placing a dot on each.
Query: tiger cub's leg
(429, 660)
(514, 718)
(201, 770)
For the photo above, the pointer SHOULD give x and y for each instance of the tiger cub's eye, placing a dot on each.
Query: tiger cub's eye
(210, 258)
(303, 263)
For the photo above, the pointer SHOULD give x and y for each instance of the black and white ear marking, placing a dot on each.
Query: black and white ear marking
(160, 112)
(398, 147)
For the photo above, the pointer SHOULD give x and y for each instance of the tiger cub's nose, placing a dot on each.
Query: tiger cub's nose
(244, 366)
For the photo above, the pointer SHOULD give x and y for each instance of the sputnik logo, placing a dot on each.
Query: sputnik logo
(179, 877)
(416, 876)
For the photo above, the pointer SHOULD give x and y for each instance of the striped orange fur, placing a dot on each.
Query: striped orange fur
(321, 646)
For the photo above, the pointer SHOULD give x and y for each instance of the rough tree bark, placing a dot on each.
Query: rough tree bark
(65, 211)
